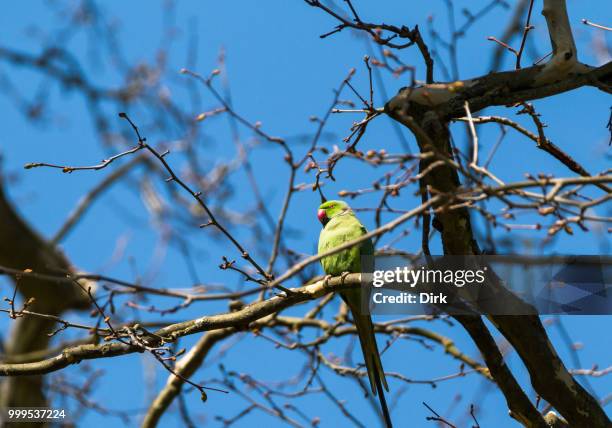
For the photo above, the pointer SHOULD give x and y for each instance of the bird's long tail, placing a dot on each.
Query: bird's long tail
(367, 339)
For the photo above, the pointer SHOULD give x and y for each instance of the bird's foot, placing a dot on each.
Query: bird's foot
(343, 277)
(326, 280)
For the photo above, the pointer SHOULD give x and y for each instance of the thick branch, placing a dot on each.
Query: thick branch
(497, 89)
(239, 319)
(565, 55)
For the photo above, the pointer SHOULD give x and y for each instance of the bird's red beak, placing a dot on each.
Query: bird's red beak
(322, 216)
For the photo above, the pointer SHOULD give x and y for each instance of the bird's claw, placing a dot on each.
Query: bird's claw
(326, 280)
(343, 277)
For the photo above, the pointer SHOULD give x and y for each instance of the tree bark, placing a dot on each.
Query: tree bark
(22, 248)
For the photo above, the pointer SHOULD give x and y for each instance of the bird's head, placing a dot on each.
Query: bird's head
(330, 209)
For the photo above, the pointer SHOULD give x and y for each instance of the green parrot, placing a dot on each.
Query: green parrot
(340, 225)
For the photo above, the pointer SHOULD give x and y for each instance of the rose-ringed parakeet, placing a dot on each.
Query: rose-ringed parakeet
(340, 225)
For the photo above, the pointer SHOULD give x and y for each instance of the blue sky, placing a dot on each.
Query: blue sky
(281, 73)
